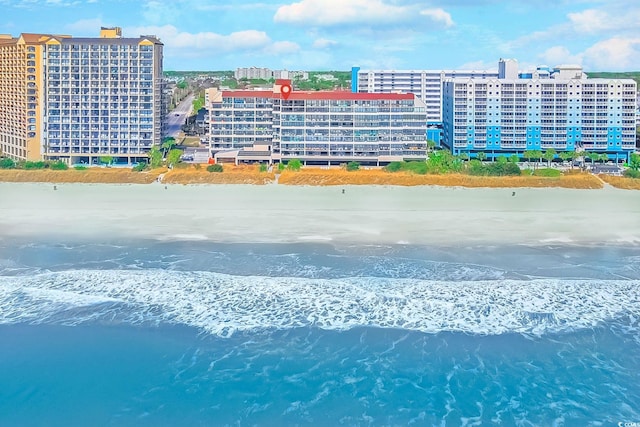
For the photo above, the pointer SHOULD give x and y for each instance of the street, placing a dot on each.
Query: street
(177, 117)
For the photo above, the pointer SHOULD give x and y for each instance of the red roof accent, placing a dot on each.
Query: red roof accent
(283, 81)
(338, 94)
(318, 95)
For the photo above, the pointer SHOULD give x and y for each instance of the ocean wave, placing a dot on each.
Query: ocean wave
(222, 304)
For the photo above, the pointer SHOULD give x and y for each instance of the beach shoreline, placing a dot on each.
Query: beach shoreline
(361, 214)
(312, 176)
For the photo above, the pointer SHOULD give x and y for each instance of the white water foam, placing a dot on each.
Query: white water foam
(221, 304)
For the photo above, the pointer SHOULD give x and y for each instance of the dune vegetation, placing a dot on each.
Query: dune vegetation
(475, 175)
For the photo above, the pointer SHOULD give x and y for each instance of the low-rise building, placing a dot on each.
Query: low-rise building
(316, 127)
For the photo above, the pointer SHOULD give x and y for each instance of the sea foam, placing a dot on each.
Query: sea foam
(222, 304)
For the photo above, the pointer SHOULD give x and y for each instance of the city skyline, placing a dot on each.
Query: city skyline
(600, 35)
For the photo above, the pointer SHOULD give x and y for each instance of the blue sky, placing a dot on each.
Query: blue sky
(601, 35)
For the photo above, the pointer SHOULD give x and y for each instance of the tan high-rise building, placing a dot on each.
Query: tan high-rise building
(77, 99)
(21, 95)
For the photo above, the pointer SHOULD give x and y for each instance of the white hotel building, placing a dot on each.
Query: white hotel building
(425, 84)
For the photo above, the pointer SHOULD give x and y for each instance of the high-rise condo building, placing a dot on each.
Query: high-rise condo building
(77, 99)
(316, 127)
(509, 116)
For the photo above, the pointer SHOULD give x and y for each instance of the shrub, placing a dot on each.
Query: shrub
(502, 169)
(630, 173)
(546, 172)
(80, 167)
(59, 166)
(263, 167)
(139, 167)
(35, 165)
(281, 166)
(476, 168)
(353, 166)
(215, 168)
(419, 168)
(7, 163)
(294, 164)
(394, 167)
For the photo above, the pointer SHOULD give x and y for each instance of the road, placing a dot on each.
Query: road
(177, 117)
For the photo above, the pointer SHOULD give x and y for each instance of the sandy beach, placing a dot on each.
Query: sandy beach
(362, 214)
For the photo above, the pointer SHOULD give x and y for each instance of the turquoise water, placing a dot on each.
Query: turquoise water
(196, 333)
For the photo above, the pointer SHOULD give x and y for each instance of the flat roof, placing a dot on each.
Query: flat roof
(318, 95)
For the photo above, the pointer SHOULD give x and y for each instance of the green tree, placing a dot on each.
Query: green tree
(155, 157)
(294, 165)
(464, 156)
(549, 154)
(106, 160)
(167, 144)
(198, 102)
(634, 162)
(514, 158)
(594, 157)
(482, 156)
(431, 145)
(502, 160)
(566, 156)
(604, 157)
(173, 157)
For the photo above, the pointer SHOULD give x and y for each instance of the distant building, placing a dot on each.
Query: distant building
(253, 73)
(291, 75)
(425, 84)
(76, 99)
(317, 127)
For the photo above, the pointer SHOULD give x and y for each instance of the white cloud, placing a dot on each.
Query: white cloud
(182, 44)
(175, 39)
(613, 54)
(610, 18)
(591, 21)
(282, 48)
(323, 43)
(347, 12)
(558, 55)
(86, 27)
(438, 15)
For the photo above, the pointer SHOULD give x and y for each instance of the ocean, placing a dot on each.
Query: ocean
(174, 332)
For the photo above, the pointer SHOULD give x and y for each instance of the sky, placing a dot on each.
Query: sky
(315, 35)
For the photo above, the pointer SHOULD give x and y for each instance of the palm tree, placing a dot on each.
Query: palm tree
(567, 156)
(604, 157)
(549, 154)
(514, 158)
(167, 145)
